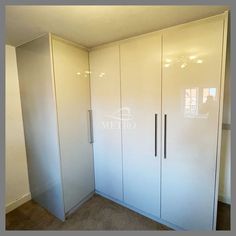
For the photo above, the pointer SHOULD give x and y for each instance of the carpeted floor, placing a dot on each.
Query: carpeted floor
(223, 216)
(96, 214)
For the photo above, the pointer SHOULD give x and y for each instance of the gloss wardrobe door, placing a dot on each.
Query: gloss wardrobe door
(191, 89)
(71, 71)
(141, 122)
(105, 94)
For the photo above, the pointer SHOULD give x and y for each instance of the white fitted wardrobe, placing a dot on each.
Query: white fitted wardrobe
(150, 140)
(55, 97)
(157, 114)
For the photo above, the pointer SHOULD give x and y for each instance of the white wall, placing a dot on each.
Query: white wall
(225, 167)
(17, 186)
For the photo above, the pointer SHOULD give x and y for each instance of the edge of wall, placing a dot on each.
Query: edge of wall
(18, 202)
(224, 199)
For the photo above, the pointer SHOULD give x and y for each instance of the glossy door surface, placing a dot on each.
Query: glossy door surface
(105, 92)
(71, 70)
(40, 124)
(141, 102)
(190, 97)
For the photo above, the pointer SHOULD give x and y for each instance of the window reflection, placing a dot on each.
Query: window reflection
(199, 102)
(191, 101)
(209, 92)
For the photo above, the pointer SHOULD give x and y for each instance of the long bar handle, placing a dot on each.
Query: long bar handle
(155, 135)
(91, 140)
(165, 127)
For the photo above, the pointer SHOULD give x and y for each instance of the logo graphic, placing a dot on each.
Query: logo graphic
(121, 114)
(121, 118)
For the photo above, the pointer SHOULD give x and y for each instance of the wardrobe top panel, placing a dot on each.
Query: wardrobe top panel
(164, 31)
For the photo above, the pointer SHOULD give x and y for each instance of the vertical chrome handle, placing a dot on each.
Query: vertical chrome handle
(90, 126)
(155, 135)
(165, 126)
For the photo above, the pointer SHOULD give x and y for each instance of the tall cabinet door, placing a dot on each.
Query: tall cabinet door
(71, 70)
(191, 91)
(141, 122)
(105, 91)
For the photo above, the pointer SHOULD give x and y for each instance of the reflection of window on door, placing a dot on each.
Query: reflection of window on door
(208, 92)
(191, 101)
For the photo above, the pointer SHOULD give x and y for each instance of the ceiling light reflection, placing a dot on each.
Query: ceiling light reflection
(192, 57)
(101, 74)
(199, 61)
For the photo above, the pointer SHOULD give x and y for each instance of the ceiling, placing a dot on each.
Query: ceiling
(94, 25)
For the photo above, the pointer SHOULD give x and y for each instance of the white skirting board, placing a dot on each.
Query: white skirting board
(224, 199)
(18, 202)
(159, 220)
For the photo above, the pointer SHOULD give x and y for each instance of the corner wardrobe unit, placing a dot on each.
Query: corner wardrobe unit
(157, 115)
(55, 97)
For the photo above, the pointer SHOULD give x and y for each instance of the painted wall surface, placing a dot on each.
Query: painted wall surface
(17, 184)
(225, 167)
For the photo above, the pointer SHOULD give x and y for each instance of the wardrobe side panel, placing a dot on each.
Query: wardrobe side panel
(71, 71)
(105, 92)
(40, 124)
